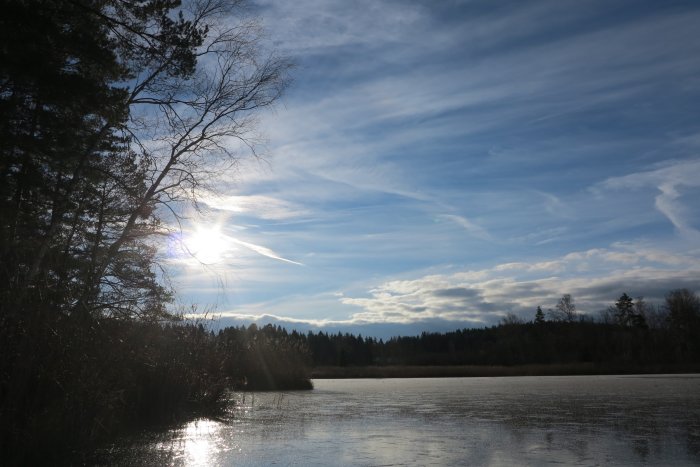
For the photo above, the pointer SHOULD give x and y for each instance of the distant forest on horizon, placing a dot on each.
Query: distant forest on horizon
(113, 114)
(629, 332)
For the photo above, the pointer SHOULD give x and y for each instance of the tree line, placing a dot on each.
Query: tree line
(114, 115)
(629, 332)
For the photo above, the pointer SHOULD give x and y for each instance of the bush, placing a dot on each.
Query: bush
(69, 385)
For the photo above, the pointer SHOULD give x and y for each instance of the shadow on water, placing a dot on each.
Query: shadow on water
(201, 440)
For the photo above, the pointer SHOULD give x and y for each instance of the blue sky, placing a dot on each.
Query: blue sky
(436, 165)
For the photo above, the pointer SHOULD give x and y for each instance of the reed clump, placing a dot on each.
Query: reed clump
(69, 385)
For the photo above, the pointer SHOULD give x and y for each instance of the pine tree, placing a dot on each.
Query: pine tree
(60, 112)
(624, 310)
(539, 316)
(111, 113)
(84, 86)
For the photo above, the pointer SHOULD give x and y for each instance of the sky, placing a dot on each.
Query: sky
(437, 165)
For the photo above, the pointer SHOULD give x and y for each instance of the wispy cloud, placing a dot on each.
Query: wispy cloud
(594, 277)
(669, 180)
(478, 297)
(471, 227)
(260, 206)
(492, 156)
(261, 250)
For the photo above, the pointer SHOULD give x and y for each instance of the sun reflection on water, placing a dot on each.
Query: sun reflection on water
(201, 441)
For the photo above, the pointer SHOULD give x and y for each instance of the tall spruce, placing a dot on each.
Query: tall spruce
(539, 315)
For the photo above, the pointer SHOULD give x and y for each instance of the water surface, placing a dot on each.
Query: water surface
(571, 420)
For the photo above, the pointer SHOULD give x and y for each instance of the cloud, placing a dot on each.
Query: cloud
(542, 266)
(453, 78)
(482, 297)
(339, 133)
(337, 24)
(669, 180)
(208, 249)
(456, 292)
(260, 206)
(261, 250)
(502, 117)
(468, 225)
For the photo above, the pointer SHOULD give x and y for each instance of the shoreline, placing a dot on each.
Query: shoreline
(461, 371)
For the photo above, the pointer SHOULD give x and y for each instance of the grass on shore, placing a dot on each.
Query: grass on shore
(451, 371)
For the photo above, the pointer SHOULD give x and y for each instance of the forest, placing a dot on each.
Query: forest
(114, 116)
(630, 334)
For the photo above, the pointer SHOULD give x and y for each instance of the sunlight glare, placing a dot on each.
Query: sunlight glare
(207, 244)
(202, 439)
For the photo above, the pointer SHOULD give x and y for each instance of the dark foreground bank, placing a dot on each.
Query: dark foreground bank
(70, 382)
(69, 385)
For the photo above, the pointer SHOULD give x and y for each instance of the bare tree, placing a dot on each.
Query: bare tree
(188, 88)
(510, 319)
(683, 308)
(164, 99)
(187, 127)
(565, 310)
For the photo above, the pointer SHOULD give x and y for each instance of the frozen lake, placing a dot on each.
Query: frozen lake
(571, 420)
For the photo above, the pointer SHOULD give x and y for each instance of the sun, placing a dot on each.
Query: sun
(207, 244)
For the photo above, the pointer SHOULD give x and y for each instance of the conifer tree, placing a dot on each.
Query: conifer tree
(624, 310)
(539, 315)
(112, 113)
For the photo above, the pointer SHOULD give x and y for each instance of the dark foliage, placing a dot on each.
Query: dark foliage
(626, 340)
(83, 383)
(264, 359)
(87, 346)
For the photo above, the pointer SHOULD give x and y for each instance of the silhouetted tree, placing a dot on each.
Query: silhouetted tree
(112, 115)
(565, 310)
(112, 110)
(656, 316)
(510, 319)
(684, 316)
(61, 114)
(539, 316)
(639, 316)
(684, 309)
(624, 310)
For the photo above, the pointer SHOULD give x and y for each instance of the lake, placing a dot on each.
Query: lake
(571, 420)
